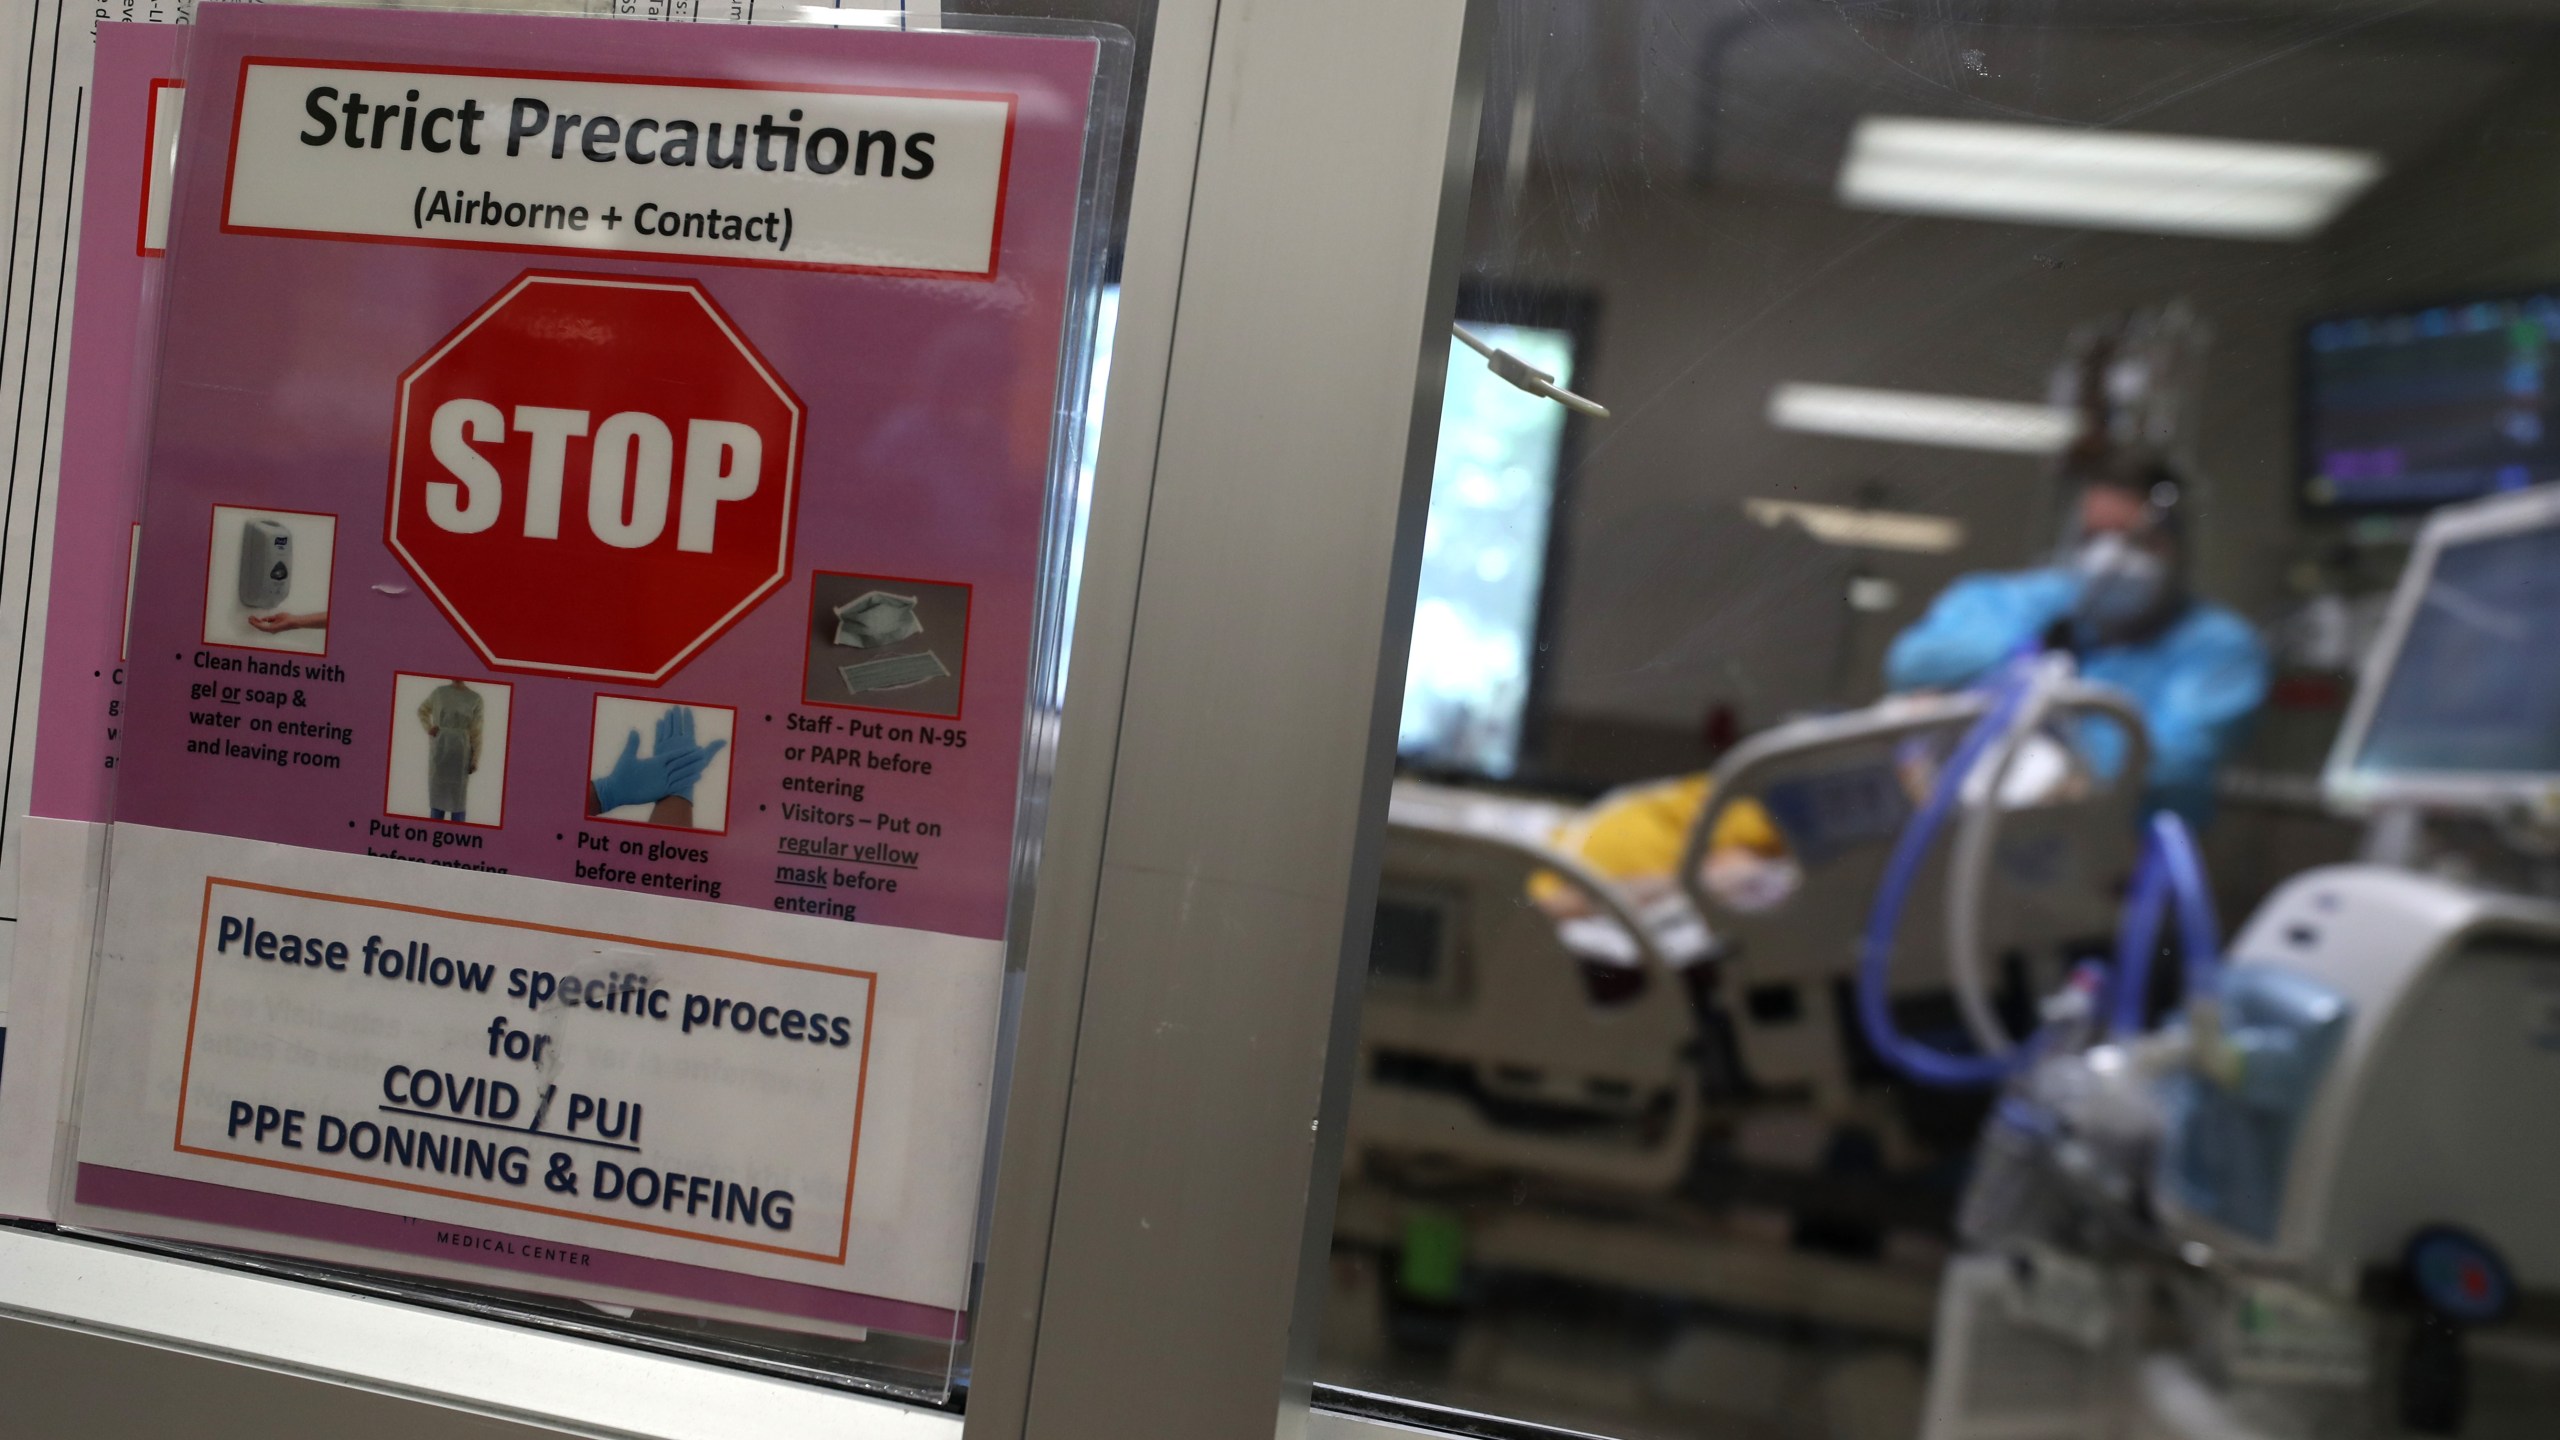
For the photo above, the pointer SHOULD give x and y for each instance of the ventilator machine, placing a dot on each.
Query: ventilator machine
(2312, 1196)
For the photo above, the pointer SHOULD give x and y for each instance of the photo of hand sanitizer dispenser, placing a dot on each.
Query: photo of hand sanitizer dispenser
(266, 563)
(266, 578)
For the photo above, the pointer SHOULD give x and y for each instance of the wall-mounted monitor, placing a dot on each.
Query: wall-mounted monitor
(2408, 409)
(1471, 682)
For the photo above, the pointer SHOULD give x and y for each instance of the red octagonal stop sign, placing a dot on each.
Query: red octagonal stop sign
(595, 475)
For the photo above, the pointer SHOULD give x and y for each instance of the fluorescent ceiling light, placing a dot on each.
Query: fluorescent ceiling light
(1957, 421)
(1865, 529)
(2103, 179)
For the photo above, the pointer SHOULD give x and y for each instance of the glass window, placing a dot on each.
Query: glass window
(1867, 939)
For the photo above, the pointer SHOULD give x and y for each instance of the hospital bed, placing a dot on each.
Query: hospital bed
(1484, 1050)
(1482, 1047)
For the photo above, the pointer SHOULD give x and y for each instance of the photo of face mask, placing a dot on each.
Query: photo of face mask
(893, 672)
(890, 643)
(876, 618)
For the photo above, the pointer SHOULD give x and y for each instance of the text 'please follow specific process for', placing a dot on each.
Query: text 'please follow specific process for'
(546, 1067)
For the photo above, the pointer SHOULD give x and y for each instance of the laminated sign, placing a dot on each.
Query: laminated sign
(589, 581)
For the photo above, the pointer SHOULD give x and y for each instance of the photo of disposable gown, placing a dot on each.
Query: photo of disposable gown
(451, 713)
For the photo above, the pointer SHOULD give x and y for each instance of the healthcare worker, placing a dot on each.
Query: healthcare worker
(2118, 599)
(452, 714)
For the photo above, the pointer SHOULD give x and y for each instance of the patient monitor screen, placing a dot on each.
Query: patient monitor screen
(2409, 409)
(2472, 688)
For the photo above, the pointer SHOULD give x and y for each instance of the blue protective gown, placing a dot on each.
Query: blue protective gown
(2196, 683)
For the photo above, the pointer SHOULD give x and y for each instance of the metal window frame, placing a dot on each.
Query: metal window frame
(1165, 1184)
(481, 1368)
(1166, 1191)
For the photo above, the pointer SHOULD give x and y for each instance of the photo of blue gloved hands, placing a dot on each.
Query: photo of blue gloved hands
(675, 762)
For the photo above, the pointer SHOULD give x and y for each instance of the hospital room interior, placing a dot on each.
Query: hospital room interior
(1977, 810)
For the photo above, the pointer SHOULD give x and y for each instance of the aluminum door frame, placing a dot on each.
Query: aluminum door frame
(1165, 1200)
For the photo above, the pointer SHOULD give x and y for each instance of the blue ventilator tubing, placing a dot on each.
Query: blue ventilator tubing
(2168, 868)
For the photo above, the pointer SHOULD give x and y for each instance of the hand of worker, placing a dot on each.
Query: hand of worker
(687, 757)
(280, 622)
(637, 780)
(674, 730)
(630, 781)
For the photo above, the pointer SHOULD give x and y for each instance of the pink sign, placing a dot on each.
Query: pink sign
(588, 592)
(573, 543)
